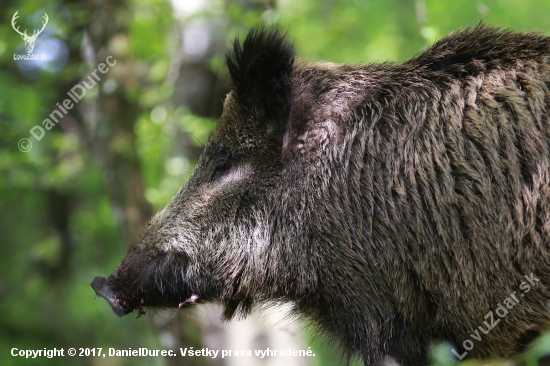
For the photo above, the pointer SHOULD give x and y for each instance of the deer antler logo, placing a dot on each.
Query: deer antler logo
(29, 40)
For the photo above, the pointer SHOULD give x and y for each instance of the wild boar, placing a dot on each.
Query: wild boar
(392, 204)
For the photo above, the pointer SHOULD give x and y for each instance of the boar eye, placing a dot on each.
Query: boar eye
(220, 167)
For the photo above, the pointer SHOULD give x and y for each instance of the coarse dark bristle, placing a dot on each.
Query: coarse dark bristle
(463, 52)
(260, 69)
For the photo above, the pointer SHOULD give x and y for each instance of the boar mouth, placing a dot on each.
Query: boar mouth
(143, 280)
(103, 289)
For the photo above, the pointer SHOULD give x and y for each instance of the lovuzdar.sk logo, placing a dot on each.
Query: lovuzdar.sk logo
(29, 40)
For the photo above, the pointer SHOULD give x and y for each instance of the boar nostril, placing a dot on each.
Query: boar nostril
(103, 289)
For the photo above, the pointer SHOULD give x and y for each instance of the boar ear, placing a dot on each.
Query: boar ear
(260, 70)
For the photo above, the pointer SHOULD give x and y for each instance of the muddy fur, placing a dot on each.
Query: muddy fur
(393, 204)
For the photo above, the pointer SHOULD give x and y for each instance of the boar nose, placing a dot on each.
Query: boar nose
(103, 289)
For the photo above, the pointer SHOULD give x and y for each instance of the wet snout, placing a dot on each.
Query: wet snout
(103, 289)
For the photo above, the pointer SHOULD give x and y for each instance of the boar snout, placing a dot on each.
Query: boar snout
(103, 289)
(145, 279)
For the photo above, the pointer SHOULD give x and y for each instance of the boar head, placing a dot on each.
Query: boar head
(215, 238)
(268, 215)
